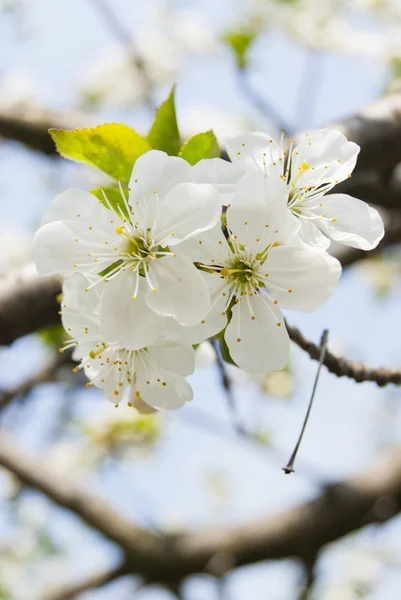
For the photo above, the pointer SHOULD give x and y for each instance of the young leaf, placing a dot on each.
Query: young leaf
(240, 41)
(201, 145)
(164, 134)
(114, 197)
(113, 147)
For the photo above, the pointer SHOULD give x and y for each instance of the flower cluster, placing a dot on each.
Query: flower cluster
(196, 251)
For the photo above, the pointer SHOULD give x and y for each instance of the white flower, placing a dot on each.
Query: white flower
(152, 367)
(253, 274)
(311, 169)
(79, 234)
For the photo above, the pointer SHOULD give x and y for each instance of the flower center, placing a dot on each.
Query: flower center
(241, 272)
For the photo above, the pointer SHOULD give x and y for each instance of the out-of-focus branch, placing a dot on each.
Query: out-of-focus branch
(27, 304)
(92, 583)
(346, 368)
(47, 373)
(374, 496)
(31, 126)
(261, 103)
(116, 26)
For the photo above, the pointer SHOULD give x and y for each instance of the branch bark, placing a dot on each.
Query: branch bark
(344, 507)
(93, 582)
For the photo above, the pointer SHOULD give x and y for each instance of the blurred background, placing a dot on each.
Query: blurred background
(239, 65)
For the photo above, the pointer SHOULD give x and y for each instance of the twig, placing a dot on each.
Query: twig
(310, 577)
(92, 583)
(227, 386)
(124, 36)
(289, 468)
(47, 373)
(260, 102)
(346, 368)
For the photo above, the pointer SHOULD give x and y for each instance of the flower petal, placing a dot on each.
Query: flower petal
(209, 247)
(56, 251)
(255, 151)
(187, 210)
(71, 203)
(80, 309)
(216, 318)
(174, 357)
(356, 223)
(222, 174)
(129, 322)
(181, 291)
(264, 345)
(301, 278)
(173, 395)
(329, 155)
(156, 170)
(310, 235)
(258, 214)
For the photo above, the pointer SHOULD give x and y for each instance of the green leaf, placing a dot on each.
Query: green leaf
(112, 147)
(199, 146)
(53, 336)
(240, 41)
(225, 352)
(114, 197)
(164, 134)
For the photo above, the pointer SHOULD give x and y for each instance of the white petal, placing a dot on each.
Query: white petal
(264, 345)
(80, 310)
(222, 174)
(56, 251)
(255, 151)
(259, 211)
(209, 247)
(173, 395)
(311, 274)
(329, 155)
(71, 203)
(181, 291)
(177, 358)
(187, 210)
(216, 319)
(310, 235)
(129, 322)
(155, 170)
(356, 223)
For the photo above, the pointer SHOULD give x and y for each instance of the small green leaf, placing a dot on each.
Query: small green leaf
(240, 41)
(225, 352)
(199, 146)
(112, 147)
(164, 134)
(113, 195)
(53, 336)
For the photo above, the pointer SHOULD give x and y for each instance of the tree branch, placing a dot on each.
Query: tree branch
(346, 368)
(48, 373)
(27, 304)
(372, 497)
(93, 582)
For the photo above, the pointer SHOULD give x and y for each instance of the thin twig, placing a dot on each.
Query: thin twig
(260, 102)
(227, 386)
(123, 35)
(47, 373)
(346, 368)
(289, 468)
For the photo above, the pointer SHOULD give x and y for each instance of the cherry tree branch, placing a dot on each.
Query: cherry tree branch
(91, 583)
(47, 373)
(346, 368)
(371, 497)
